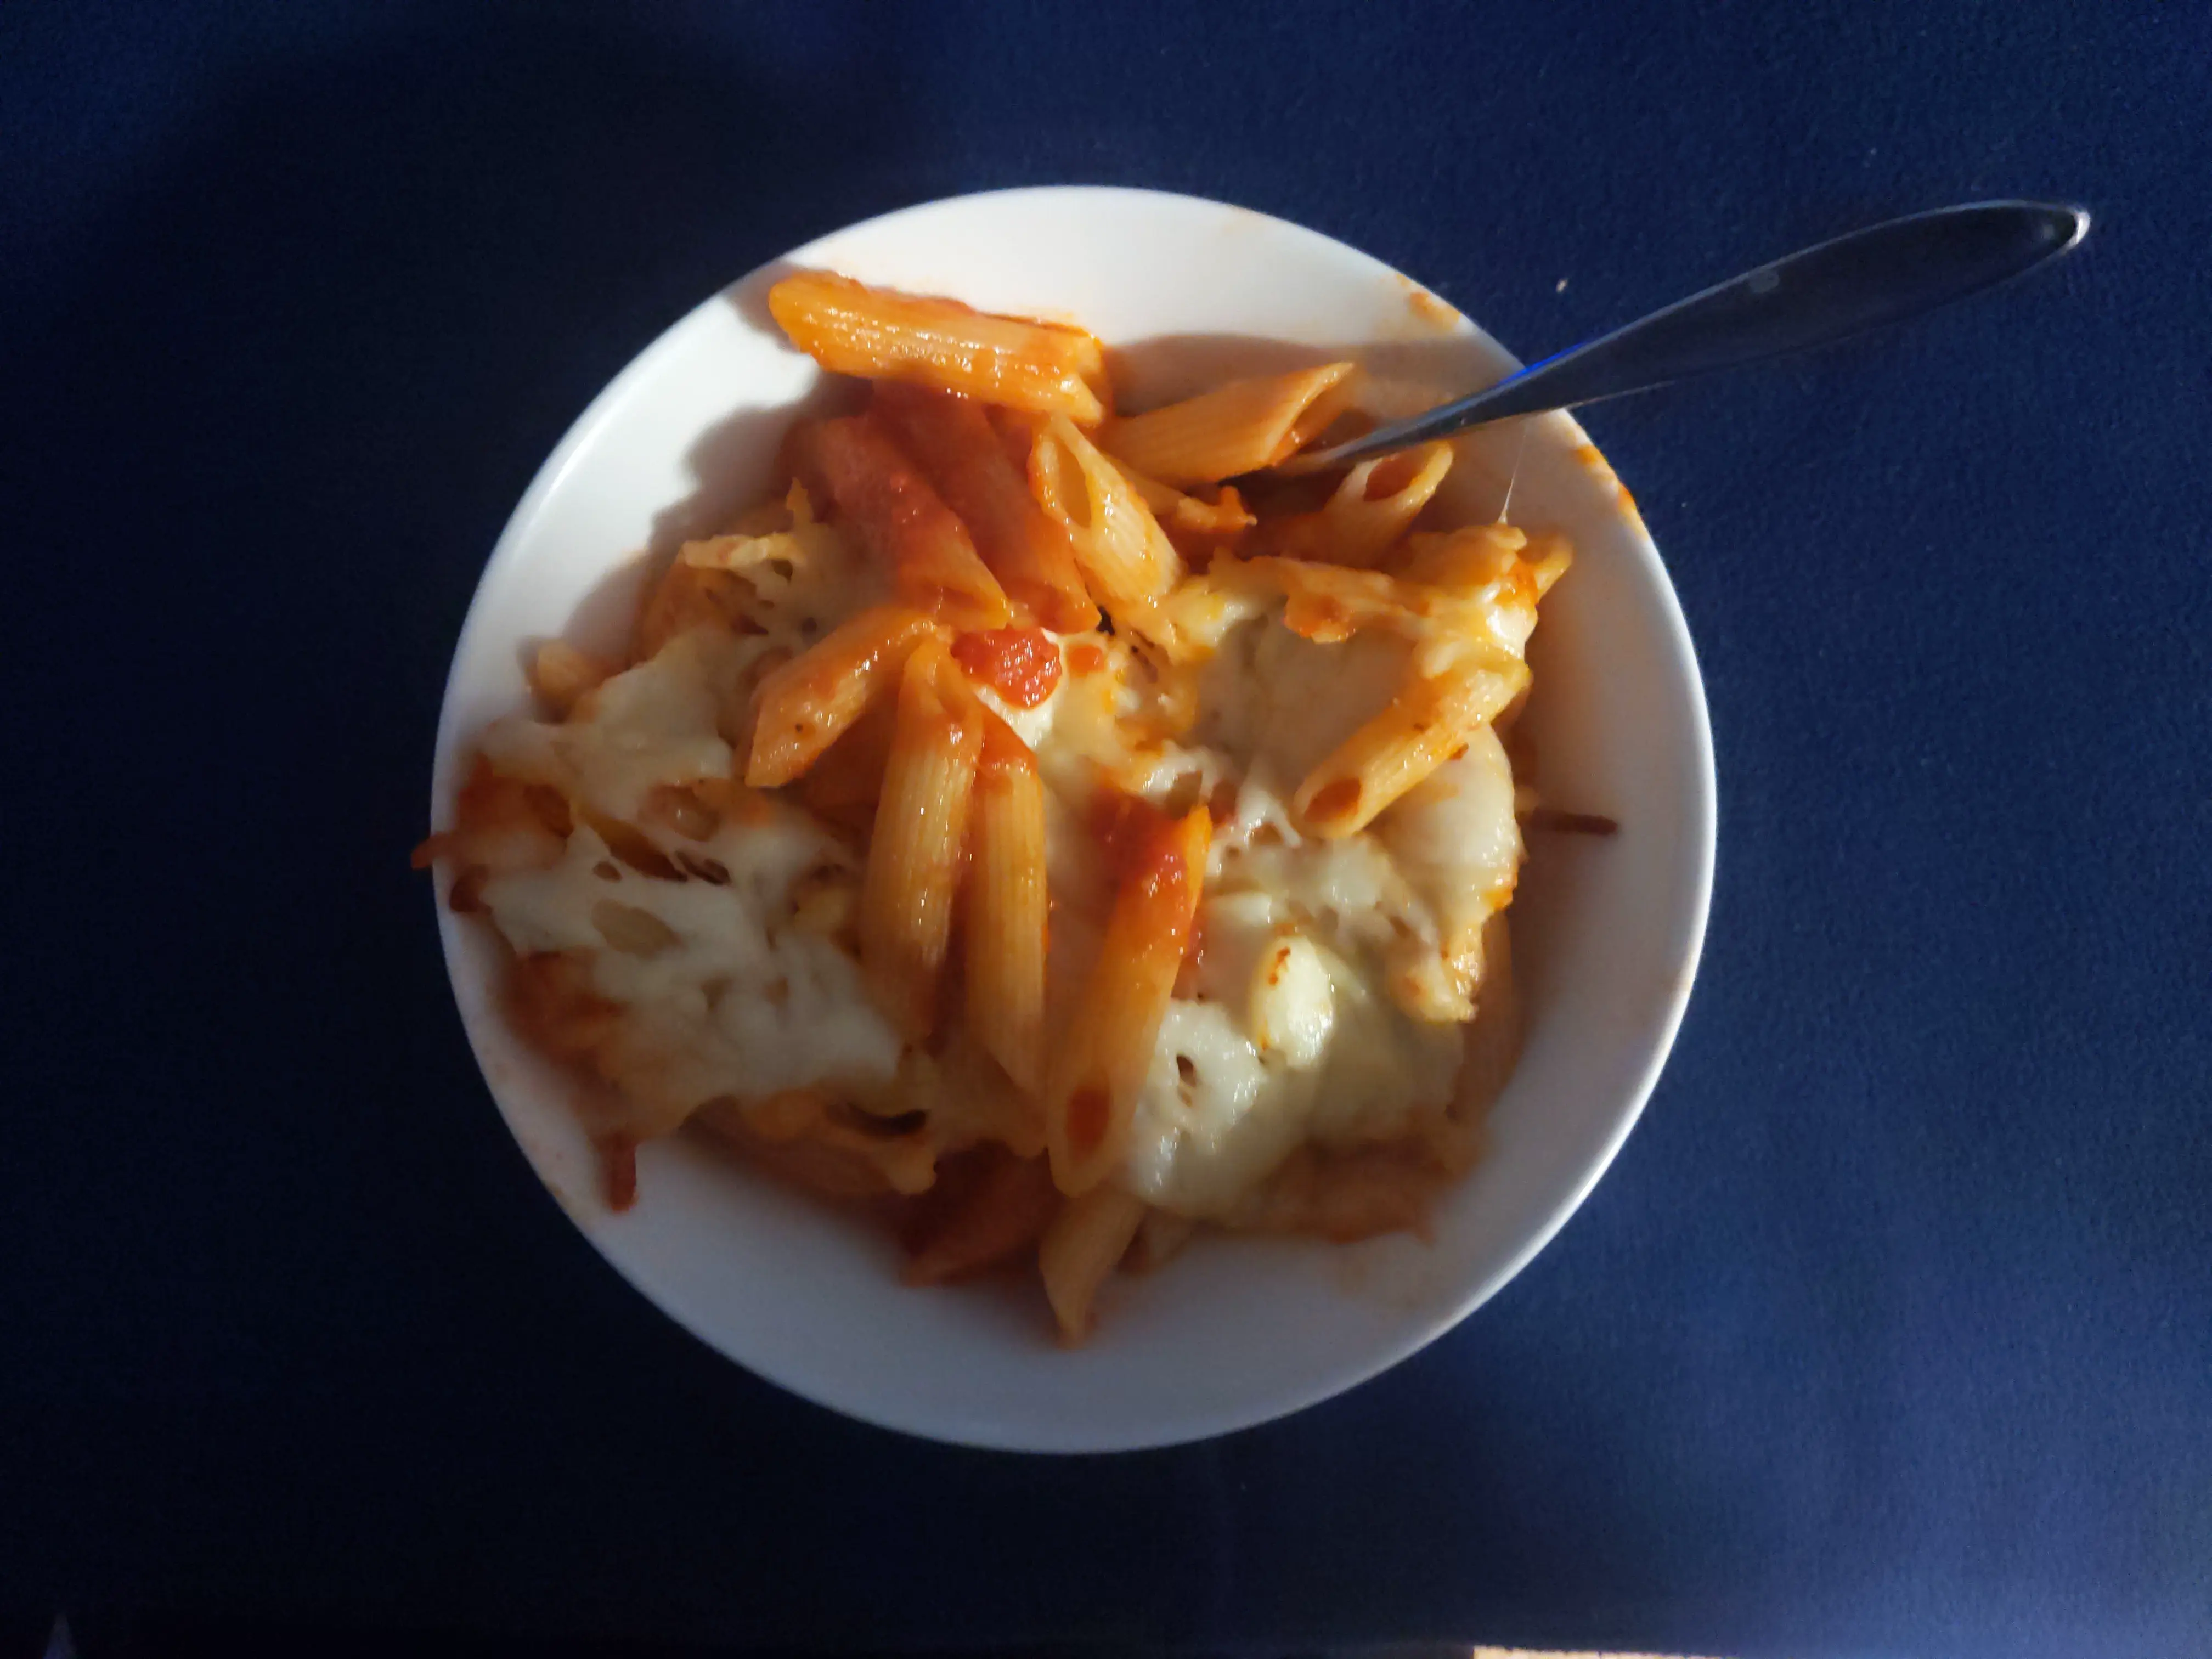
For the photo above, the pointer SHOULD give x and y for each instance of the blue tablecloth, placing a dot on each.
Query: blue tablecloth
(1890, 1331)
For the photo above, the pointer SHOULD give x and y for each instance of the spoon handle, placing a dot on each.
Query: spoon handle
(1823, 294)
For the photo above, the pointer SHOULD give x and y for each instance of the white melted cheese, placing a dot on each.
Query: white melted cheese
(658, 723)
(728, 997)
(1320, 959)
(1284, 703)
(1455, 837)
(724, 987)
(1322, 1006)
(804, 579)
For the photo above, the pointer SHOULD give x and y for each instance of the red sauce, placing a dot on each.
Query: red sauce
(1022, 665)
(1085, 658)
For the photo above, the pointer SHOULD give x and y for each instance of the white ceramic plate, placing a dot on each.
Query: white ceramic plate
(1235, 1331)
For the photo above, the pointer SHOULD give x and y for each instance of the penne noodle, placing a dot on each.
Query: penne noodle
(1378, 500)
(1325, 603)
(1367, 513)
(1030, 551)
(914, 858)
(934, 563)
(1321, 413)
(1466, 559)
(1160, 1239)
(1403, 744)
(1005, 914)
(807, 703)
(796, 1135)
(1124, 554)
(1008, 1207)
(1210, 525)
(1238, 427)
(1085, 1241)
(1548, 556)
(1016, 429)
(500, 823)
(852, 330)
(560, 674)
(842, 787)
(1101, 1067)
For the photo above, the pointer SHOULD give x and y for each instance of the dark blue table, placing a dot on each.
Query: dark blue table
(1890, 1331)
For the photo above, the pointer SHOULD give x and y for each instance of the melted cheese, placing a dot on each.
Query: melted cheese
(804, 579)
(1455, 838)
(727, 984)
(1323, 1007)
(727, 995)
(659, 723)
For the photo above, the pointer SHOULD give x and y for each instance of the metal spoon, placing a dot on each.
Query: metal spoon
(1825, 293)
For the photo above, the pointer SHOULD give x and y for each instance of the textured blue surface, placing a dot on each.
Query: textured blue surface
(1890, 1333)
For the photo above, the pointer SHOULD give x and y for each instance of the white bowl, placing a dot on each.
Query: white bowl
(1235, 1331)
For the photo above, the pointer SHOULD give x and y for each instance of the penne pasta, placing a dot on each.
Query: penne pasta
(1464, 559)
(1190, 520)
(1006, 914)
(934, 563)
(914, 857)
(1095, 1078)
(1011, 1202)
(1085, 1241)
(840, 788)
(1547, 556)
(1124, 554)
(1030, 551)
(561, 674)
(1238, 427)
(1325, 603)
(1403, 744)
(1161, 1239)
(852, 330)
(1320, 415)
(814, 1143)
(1378, 500)
(807, 703)
(1016, 429)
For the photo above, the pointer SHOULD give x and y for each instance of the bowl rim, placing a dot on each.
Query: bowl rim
(1699, 824)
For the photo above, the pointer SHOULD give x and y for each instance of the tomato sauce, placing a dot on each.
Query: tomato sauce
(1022, 665)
